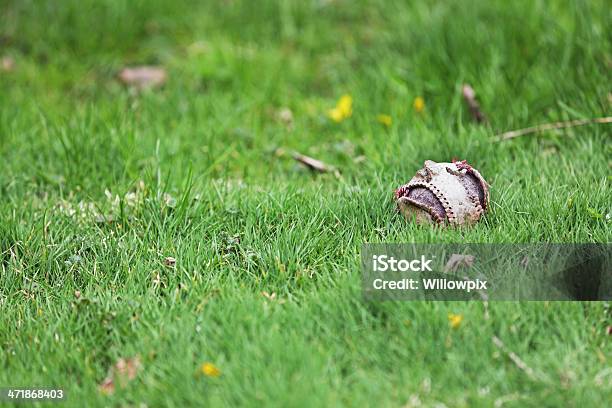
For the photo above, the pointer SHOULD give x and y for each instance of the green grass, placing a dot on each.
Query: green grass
(244, 218)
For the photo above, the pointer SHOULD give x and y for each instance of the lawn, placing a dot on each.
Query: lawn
(170, 227)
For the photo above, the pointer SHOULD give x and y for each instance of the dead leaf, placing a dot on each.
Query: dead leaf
(269, 296)
(124, 371)
(285, 116)
(272, 297)
(169, 201)
(157, 281)
(313, 164)
(7, 64)
(143, 77)
(107, 387)
(457, 261)
(469, 95)
(128, 368)
(359, 159)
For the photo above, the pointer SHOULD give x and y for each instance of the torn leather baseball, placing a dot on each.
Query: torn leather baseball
(445, 194)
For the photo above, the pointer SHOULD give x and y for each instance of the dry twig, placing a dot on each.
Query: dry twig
(469, 95)
(515, 358)
(143, 77)
(122, 372)
(550, 126)
(313, 164)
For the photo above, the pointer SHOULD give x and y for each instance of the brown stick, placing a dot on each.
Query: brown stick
(550, 126)
(312, 163)
(515, 358)
(469, 95)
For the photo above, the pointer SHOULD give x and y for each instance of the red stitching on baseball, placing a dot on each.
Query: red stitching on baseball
(447, 208)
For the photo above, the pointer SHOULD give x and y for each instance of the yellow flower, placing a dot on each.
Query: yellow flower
(343, 109)
(335, 114)
(418, 104)
(345, 104)
(455, 320)
(210, 370)
(384, 119)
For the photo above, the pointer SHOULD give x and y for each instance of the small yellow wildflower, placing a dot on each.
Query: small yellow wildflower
(346, 105)
(343, 109)
(418, 104)
(455, 320)
(210, 370)
(384, 119)
(335, 115)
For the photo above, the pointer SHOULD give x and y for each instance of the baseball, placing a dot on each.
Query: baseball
(444, 194)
